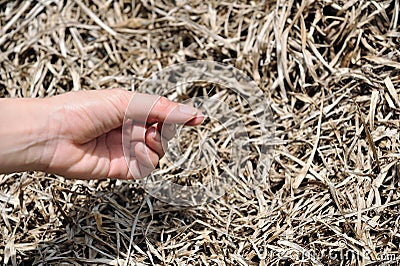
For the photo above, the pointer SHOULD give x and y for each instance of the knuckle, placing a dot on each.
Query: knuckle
(162, 101)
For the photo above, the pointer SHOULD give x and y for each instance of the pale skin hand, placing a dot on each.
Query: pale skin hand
(78, 135)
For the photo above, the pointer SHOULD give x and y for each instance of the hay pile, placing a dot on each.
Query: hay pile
(332, 71)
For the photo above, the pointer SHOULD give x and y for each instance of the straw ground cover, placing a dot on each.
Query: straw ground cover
(331, 69)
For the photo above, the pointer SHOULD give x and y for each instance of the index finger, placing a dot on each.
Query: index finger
(153, 108)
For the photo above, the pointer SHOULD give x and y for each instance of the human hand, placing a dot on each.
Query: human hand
(83, 135)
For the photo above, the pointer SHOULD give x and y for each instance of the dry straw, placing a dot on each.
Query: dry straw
(332, 71)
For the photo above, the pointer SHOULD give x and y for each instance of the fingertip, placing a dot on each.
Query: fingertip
(145, 155)
(145, 170)
(197, 120)
(155, 142)
(134, 171)
(180, 113)
(154, 134)
(199, 114)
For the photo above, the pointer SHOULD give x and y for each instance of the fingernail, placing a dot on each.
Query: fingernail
(187, 110)
(199, 114)
(200, 118)
(154, 135)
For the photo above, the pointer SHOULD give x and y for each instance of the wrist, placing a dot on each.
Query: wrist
(24, 135)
